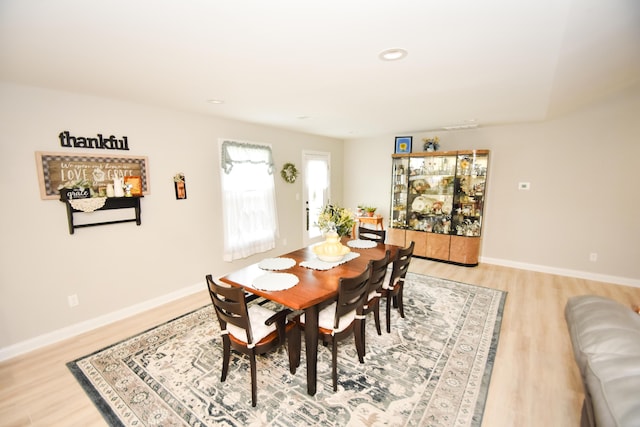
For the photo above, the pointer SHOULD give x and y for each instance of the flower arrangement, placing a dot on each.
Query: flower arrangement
(179, 177)
(335, 218)
(80, 183)
(431, 144)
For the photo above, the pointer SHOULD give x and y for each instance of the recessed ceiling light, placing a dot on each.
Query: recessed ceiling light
(302, 117)
(392, 54)
(215, 101)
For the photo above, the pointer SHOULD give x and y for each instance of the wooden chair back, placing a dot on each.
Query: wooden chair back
(352, 294)
(230, 305)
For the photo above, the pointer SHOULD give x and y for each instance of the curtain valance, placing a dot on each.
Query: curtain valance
(239, 152)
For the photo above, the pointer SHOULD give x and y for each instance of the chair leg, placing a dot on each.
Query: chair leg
(376, 317)
(226, 354)
(401, 302)
(389, 298)
(254, 392)
(358, 332)
(363, 334)
(334, 364)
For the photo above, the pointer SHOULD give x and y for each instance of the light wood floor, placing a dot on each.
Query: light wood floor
(535, 381)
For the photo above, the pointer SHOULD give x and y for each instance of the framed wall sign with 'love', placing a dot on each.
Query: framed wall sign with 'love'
(92, 170)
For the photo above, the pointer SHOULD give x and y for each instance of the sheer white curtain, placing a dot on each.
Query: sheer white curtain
(250, 218)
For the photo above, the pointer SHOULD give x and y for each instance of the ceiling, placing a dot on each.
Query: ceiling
(313, 66)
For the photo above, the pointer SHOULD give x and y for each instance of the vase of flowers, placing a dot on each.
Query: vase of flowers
(334, 222)
(337, 219)
(431, 144)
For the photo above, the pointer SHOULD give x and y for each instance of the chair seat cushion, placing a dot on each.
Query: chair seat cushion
(328, 314)
(257, 315)
(387, 285)
(373, 294)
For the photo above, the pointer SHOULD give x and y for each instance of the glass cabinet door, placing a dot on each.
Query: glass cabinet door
(431, 192)
(399, 188)
(468, 203)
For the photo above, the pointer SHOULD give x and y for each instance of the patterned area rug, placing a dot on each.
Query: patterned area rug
(432, 370)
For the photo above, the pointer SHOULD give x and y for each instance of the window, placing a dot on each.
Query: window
(249, 213)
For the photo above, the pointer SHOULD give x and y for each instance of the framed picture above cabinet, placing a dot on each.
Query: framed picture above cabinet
(438, 200)
(403, 144)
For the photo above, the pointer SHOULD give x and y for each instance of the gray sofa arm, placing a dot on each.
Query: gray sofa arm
(605, 336)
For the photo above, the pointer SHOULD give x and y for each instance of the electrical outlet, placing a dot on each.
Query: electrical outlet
(524, 186)
(73, 300)
(593, 257)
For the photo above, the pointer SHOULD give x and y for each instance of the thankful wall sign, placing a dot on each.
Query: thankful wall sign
(99, 141)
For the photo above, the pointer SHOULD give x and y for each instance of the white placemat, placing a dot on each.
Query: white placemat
(275, 281)
(277, 263)
(362, 244)
(316, 264)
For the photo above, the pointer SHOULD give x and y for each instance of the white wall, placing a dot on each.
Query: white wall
(116, 268)
(584, 197)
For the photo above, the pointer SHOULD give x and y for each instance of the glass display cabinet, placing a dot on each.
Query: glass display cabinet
(437, 200)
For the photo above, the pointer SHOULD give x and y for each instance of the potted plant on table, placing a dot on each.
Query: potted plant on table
(370, 210)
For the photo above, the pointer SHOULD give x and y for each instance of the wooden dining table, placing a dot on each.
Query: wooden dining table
(314, 287)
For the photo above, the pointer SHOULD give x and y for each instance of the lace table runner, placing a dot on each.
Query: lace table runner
(317, 264)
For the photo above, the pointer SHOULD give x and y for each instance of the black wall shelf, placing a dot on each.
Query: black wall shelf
(110, 203)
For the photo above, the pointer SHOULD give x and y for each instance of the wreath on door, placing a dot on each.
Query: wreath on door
(289, 173)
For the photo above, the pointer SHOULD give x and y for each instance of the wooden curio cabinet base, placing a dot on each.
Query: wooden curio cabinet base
(465, 250)
(439, 247)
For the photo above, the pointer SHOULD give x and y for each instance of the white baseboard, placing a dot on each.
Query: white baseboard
(97, 322)
(626, 281)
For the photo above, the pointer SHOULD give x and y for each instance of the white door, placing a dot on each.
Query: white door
(316, 183)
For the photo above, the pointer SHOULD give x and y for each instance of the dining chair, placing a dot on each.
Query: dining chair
(342, 318)
(372, 234)
(248, 329)
(393, 289)
(377, 274)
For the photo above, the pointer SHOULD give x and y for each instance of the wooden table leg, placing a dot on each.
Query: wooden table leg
(311, 343)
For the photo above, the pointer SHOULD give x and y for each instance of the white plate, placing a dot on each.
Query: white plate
(419, 203)
(275, 281)
(277, 263)
(422, 203)
(361, 244)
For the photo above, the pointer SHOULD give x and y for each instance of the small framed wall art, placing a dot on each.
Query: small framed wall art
(403, 144)
(180, 186)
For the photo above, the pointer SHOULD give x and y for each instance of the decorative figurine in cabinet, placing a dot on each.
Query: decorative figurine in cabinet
(438, 201)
